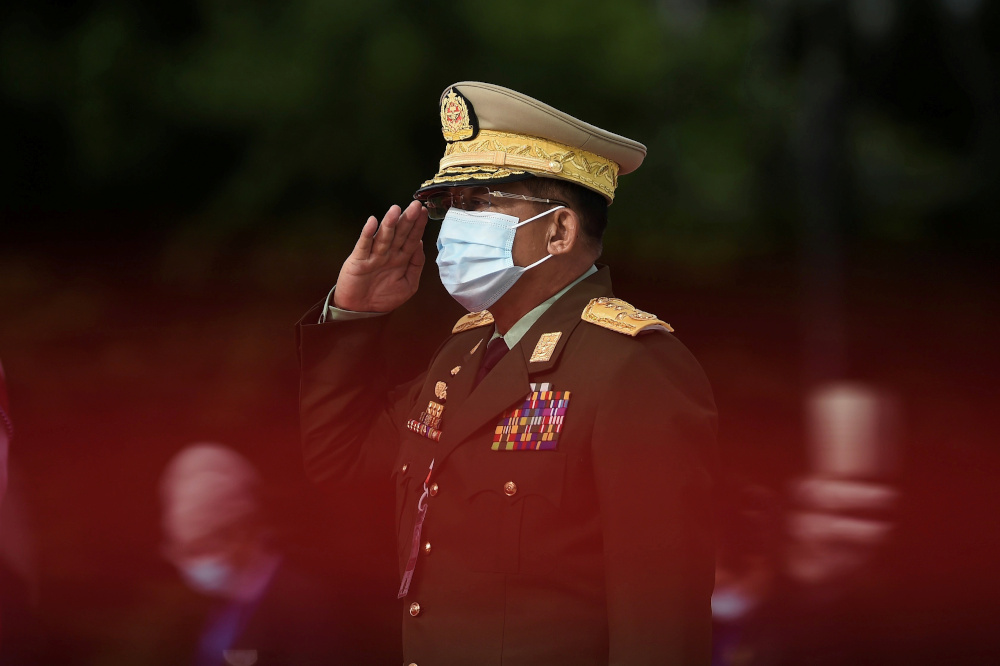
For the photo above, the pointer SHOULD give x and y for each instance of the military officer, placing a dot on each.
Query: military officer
(553, 467)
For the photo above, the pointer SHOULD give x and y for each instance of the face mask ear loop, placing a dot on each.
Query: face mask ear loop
(529, 267)
(532, 219)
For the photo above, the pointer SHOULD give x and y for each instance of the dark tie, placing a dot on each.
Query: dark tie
(494, 352)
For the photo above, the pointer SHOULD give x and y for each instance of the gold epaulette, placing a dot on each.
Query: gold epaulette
(617, 315)
(473, 320)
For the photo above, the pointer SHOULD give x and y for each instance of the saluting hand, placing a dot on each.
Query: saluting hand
(384, 268)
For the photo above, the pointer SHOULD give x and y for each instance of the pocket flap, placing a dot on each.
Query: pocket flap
(517, 476)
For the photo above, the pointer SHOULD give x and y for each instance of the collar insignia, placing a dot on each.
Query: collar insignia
(545, 347)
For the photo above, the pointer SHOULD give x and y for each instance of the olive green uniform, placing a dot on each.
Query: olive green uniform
(595, 547)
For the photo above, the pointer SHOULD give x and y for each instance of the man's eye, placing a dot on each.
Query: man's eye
(479, 202)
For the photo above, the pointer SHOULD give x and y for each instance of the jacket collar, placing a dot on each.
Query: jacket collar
(509, 381)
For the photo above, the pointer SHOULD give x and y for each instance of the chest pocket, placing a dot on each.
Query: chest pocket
(508, 503)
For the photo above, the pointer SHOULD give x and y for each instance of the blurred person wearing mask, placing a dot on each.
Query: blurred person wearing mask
(216, 536)
(553, 468)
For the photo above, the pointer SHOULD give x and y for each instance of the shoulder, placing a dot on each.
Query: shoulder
(629, 346)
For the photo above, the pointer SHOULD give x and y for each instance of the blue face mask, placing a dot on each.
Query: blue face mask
(209, 575)
(474, 255)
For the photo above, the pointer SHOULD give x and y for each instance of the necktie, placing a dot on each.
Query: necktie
(494, 352)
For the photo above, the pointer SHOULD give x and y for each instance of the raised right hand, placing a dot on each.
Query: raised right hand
(384, 268)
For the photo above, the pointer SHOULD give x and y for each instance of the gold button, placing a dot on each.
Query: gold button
(433, 490)
(414, 609)
(427, 548)
(406, 466)
(509, 488)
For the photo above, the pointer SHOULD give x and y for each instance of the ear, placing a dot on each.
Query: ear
(564, 232)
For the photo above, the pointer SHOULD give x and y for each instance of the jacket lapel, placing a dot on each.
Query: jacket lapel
(460, 385)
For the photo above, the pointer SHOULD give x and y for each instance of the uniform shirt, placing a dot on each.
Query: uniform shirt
(591, 543)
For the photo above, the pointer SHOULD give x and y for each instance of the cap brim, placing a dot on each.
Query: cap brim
(479, 177)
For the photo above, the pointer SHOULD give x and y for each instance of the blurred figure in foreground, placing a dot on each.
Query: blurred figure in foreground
(220, 543)
(744, 622)
(796, 578)
(841, 517)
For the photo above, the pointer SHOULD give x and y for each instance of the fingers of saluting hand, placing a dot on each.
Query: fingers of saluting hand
(399, 234)
(416, 264)
(386, 232)
(404, 226)
(364, 245)
(416, 216)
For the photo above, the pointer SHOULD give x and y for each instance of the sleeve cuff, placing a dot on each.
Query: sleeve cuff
(332, 313)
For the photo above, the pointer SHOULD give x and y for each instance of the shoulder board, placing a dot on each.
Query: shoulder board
(617, 315)
(473, 320)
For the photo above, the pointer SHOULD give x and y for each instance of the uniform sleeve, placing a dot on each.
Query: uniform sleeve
(332, 313)
(654, 460)
(349, 416)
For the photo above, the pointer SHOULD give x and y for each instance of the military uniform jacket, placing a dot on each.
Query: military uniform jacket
(591, 543)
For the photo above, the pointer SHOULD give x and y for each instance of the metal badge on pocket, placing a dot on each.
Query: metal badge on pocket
(535, 424)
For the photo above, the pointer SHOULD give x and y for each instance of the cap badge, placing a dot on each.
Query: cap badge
(456, 120)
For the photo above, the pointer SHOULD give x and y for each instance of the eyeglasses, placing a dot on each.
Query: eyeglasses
(470, 198)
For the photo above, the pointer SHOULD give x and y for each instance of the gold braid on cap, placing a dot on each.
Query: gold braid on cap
(494, 154)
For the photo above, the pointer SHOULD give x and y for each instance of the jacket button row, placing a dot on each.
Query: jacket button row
(414, 609)
(433, 489)
(509, 488)
(405, 467)
(427, 548)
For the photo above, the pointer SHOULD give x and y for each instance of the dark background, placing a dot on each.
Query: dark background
(181, 180)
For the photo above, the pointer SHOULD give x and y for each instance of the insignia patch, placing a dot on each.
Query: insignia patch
(535, 424)
(454, 371)
(457, 121)
(545, 347)
(441, 391)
